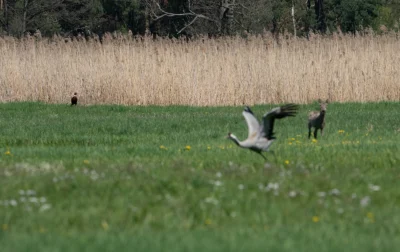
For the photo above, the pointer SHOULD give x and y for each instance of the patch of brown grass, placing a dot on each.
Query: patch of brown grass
(228, 71)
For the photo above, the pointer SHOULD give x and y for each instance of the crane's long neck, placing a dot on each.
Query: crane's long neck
(235, 139)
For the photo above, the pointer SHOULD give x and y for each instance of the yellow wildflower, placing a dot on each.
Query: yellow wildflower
(292, 139)
(8, 152)
(315, 219)
(287, 162)
(187, 147)
(42, 230)
(340, 131)
(163, 147)
(314, 140)
(104, 224)
(208, 222)
(208, 148)
(290, 143)
(4, 227)
(86, 161)
(371, 217)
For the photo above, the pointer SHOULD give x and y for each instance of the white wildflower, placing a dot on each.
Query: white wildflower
(42, 200)
(292, 194)
(267, 166)
(241, 187)
(13, 202)
(353, 195)
(217, 183)
(272, 186)
(30, 192)
(21, 192)
(33, 200)
(44, 207)
(365, 201)
(321, 194)
(94, 175)
(218, 174)
(374, 188)
(211, 200)
(334, 192)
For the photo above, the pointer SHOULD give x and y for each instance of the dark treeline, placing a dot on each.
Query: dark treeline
(194, 17)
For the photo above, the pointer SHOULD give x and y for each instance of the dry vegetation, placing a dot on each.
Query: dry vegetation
(228, 71)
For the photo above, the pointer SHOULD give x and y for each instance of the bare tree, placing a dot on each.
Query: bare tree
(220, 14)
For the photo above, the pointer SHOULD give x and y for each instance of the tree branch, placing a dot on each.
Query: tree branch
(190, 13)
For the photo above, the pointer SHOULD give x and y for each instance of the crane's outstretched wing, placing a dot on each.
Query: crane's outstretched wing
(276, 113)
(252, 122)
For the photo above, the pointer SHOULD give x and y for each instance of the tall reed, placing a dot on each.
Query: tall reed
(203, 72)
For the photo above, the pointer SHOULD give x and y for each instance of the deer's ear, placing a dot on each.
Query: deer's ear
(319, 100)
(327, 101)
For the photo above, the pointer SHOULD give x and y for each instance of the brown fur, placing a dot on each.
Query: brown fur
(316, 119)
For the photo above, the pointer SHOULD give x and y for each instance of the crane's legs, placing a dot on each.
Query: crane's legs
(262, 156)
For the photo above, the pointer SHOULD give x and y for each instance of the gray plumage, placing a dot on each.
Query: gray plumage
(260, 137)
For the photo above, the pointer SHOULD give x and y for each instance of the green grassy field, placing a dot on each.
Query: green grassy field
(116, 178)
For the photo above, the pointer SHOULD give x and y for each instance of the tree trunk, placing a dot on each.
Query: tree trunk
(6, 22)
(24, 16)
(294, 20)
(226, 16)
(320, 15)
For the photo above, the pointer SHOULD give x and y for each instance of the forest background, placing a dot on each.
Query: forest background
(194, 17)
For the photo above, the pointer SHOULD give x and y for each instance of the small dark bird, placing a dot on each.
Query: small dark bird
(74, 99)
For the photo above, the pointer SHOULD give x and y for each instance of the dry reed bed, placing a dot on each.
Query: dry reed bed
(204, 72)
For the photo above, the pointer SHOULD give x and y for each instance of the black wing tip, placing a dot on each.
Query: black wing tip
(247, 109)
(291, 106)
(291, 109)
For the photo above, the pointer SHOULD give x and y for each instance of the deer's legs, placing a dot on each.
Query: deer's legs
(315, 133)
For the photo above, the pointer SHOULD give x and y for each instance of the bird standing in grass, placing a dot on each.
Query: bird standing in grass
(260, 137)
(74, 99)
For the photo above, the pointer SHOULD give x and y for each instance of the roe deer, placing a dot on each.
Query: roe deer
(316, 119)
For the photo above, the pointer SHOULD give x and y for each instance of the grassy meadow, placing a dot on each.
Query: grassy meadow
(165, 178)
